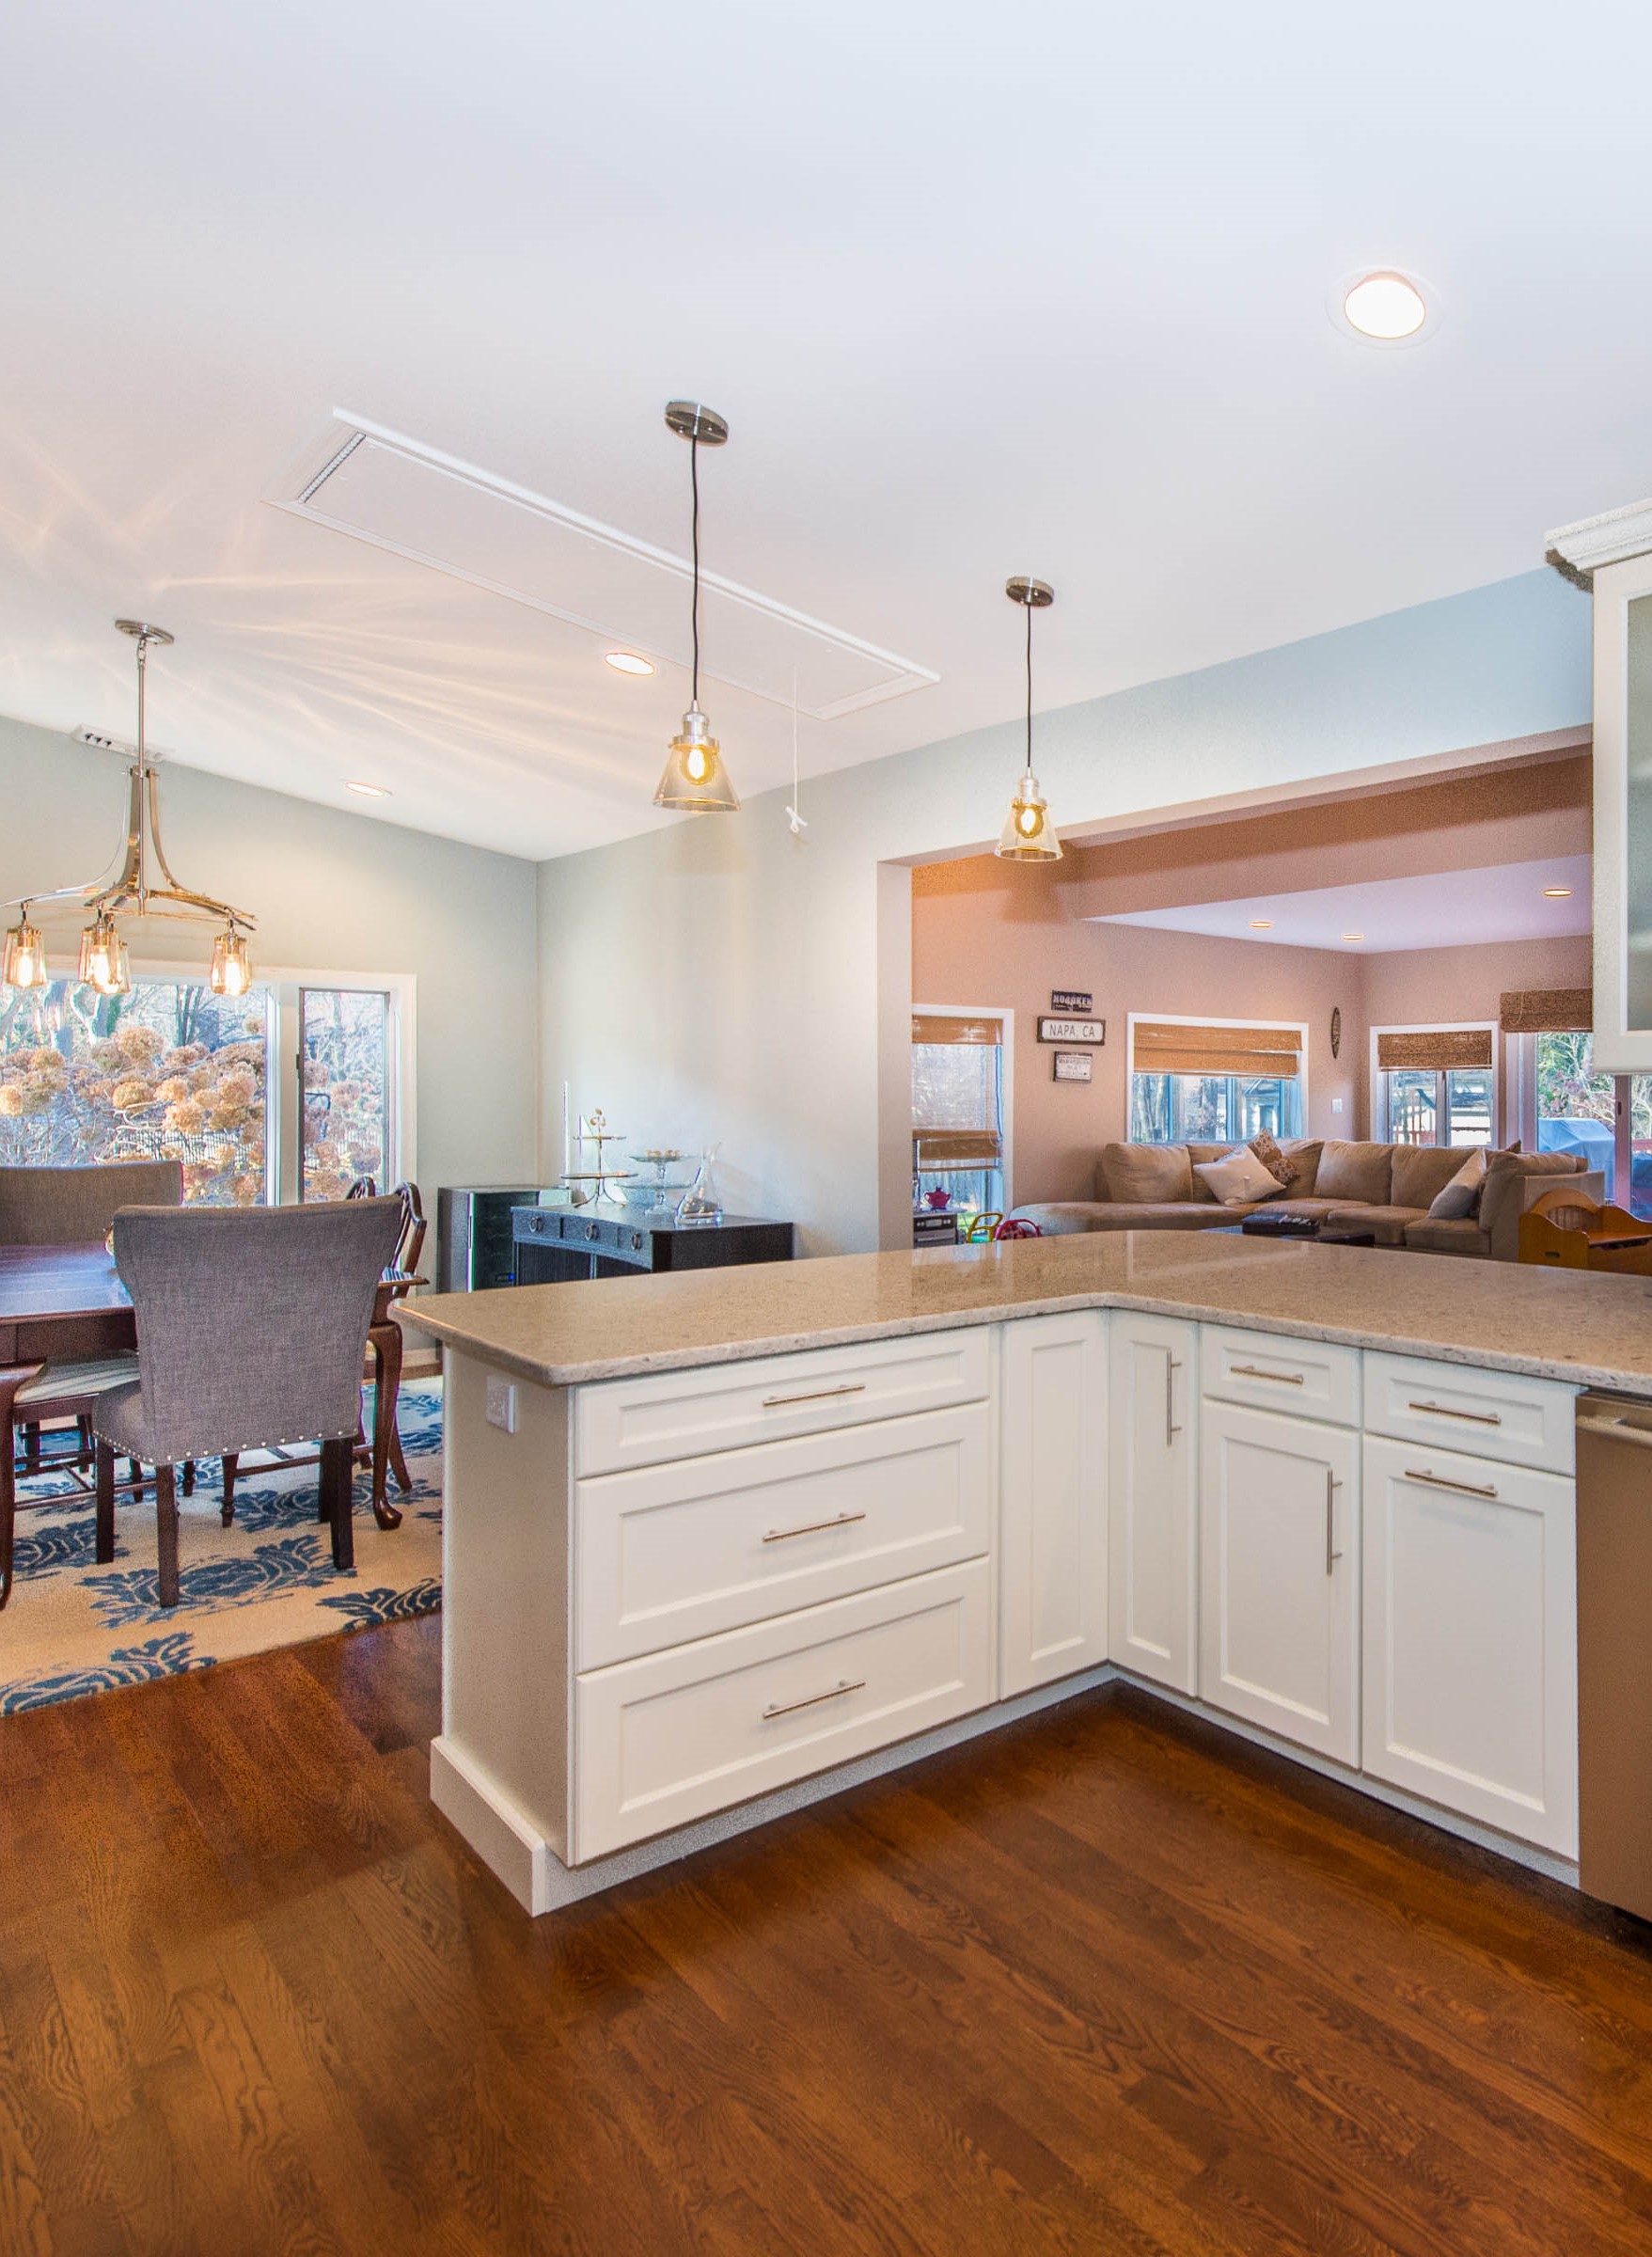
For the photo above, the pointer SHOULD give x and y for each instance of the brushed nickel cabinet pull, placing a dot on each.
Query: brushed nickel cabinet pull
(1332, 1554)
(1171, 1365)
(1254, 1371)
(778, 1536)
(820, 1395)
(789, 1708)
(1468, 1488)
(1614, 1430)
(1478, 1418)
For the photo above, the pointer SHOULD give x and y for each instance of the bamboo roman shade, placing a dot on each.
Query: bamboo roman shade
(1158, 1047)
(936, 1150)
(1547, 1011)
(1433, 1050)
(989, 1032)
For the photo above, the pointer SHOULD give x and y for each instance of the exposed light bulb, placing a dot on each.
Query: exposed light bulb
(23, 962)
(231, 972)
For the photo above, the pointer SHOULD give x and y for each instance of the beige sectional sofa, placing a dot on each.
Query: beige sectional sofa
(1385, 1189)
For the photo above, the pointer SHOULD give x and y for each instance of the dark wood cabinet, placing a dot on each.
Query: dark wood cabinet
(555, 1245)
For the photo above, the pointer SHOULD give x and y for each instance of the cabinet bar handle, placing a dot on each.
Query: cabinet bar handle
(1172, 1366)
(1614, 1430)
(1332, 1554)
(1478, 1418)
(1468, 1488)
(789, 1708)
(820, 1395)
(778, 1536)
(1254, 1371)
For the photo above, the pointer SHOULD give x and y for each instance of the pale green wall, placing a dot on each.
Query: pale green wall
(719, 979)
(332, 891)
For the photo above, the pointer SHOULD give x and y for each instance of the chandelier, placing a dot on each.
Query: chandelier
(143, 887)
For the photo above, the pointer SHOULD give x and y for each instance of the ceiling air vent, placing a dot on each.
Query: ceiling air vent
(101, 741)
(397, 494)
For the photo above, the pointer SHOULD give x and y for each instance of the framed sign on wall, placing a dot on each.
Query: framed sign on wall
(1072, 998)
(1072, 1029)
(1073, 1066)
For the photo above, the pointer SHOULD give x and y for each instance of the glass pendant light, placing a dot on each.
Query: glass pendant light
(231, 972)
(695, 777)
(1029, 835)
(22, 962)
(102, 957)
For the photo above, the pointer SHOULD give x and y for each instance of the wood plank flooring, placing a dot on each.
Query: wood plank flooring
(1108, 1981)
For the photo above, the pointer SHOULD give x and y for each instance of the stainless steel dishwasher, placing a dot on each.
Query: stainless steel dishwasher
(1615, 1651)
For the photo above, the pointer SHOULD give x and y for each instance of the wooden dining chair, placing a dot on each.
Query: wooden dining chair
(41, 1394)
(252, 1326)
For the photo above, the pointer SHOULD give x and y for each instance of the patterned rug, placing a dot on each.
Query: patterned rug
(72, 1628)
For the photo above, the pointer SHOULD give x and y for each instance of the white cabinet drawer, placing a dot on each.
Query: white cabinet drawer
(623, 1423)
(1308, 1379)
(663, 1741)
(1470, 1639)
(677, 1552)
(1488, 1414)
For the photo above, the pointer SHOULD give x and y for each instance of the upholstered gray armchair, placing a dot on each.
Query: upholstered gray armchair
(251, 1332)
(74, 1206)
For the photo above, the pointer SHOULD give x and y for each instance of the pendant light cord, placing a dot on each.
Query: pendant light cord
(694, 483)
(1030, 689)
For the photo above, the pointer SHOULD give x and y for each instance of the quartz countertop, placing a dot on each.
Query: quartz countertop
(1563, 1324)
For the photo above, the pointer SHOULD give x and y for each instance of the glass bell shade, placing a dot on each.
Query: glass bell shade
(22, 960)
(695, 777)
(102, 957)
(231, 972)
(1029, 835)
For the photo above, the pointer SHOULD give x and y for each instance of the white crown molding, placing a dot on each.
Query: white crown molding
(1580, 550)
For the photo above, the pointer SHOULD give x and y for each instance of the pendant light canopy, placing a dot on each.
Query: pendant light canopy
(695, 779)
(1029, 835)
(143, 887)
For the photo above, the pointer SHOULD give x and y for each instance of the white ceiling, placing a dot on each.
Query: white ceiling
(980, 291)
(1456, 909)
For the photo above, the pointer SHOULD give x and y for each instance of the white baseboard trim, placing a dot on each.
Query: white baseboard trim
(511, 1846)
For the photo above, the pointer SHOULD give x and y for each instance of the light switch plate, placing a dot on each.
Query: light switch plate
(1336, 1104)
(501, 1404)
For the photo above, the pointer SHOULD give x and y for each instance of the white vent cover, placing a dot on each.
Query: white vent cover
(400, 495)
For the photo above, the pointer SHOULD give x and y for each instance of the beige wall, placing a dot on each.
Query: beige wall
(332, 891)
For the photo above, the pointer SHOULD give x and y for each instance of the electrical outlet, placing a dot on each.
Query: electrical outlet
(1336, 1104)
(501, 1404)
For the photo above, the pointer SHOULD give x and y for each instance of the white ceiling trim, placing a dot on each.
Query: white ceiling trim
(302, 490)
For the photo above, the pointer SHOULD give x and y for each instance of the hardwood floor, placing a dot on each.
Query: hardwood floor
(1108, 1981)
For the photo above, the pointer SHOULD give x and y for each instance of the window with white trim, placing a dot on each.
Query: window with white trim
(1214, 1081)
(1434, 1084)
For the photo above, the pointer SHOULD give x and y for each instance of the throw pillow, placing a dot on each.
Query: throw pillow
(1457, 1200)
(1272, 1158)
(1240, 1179)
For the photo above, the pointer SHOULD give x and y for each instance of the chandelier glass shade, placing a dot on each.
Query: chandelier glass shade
(143, 886)
(695, 780)
(1029, 835)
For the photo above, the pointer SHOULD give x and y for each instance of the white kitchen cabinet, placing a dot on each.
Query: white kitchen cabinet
(1470, 1638)
(1153, 1578)
(1052, 1498)
(1279, 1575)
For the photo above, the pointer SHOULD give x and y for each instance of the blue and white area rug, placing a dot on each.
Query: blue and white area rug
(73, 1628)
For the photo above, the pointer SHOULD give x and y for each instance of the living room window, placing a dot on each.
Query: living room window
(960, 1142)
(1434, 1084)
(1214, 1081)
(1565, 1106)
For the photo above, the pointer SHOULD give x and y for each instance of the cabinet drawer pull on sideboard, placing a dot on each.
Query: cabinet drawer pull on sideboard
(819, 1395)
(1254, 1371)
(1171, 1429)
(789, 1708)
(1478, 1418)
(1468, 1488)
(778, 1536)
(1331, 1553)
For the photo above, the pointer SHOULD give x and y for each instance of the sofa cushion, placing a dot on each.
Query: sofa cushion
(1362, 1172)
(1300, 1155)
(1239, 1178)
(1432, 1236)
(1506, 1173)
(1293, 1206)
(1064, 1218)
(1422, 1171)
(1200, 1156)
(1146, 1171)
(1387, 1224)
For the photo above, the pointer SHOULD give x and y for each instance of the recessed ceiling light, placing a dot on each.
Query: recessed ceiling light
(1262, 924)
(369, 791)
(1557, 892)
(1353, 936)
(627, 662)
(1380, 306)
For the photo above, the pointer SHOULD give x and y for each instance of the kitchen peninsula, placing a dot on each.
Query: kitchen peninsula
(718, 1545)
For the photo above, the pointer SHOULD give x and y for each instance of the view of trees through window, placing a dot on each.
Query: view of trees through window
(169, 1070)
(956, 1088)
(344, 1036)
(1213, 1109)
(1578, 1109)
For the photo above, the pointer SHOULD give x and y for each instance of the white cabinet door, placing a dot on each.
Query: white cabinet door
(1052, 1508)
(1152, 1496)
(1280, 1572)
(1470, 1638)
